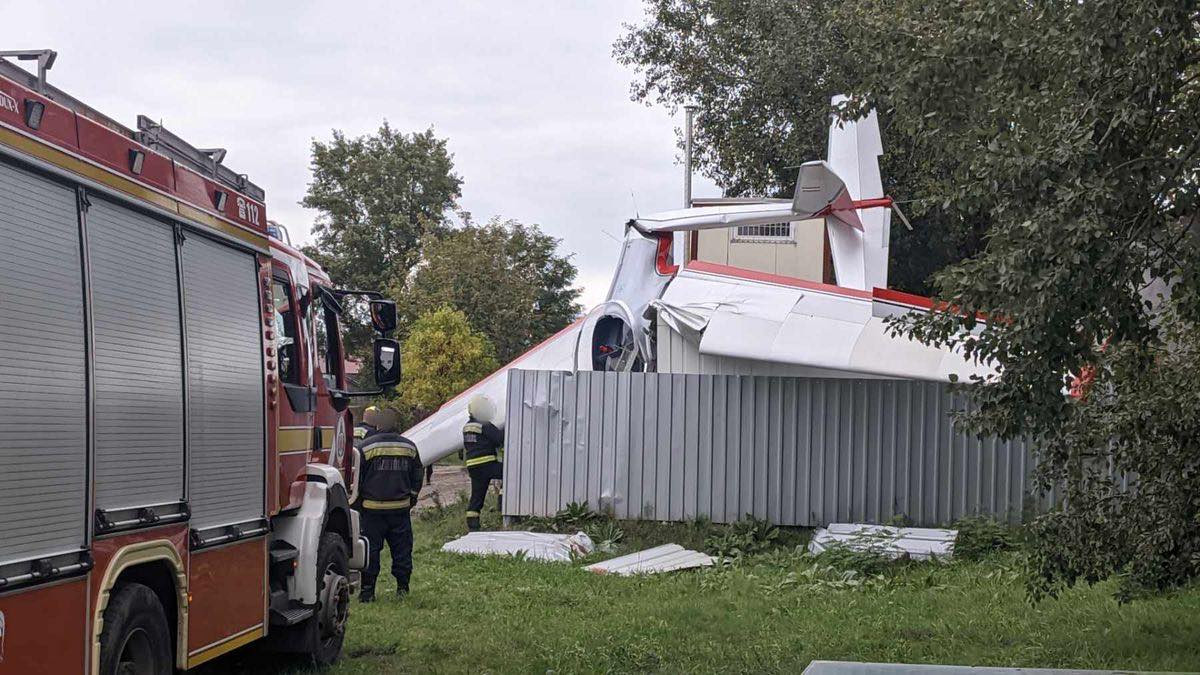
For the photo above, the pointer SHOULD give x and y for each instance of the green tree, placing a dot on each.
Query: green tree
(1074, 125)
(762, 74)
(442, 356)
(506, 277)
(378, 197)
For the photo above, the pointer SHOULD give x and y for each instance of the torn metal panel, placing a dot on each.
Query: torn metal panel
(734, 314)
(665, 558)
(917, 543)
(532, 545)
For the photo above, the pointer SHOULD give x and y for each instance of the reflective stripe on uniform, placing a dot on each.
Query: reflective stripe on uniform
(472, 514)
(472, 428)
(476, 461)
(360, 432)
(382, 505)
(373, 450)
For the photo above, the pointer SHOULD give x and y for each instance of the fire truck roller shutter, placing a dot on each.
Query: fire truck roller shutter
(43, 415)
(225, 384)
(138, 363)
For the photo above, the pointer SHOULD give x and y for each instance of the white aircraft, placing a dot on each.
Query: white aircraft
(719, 319)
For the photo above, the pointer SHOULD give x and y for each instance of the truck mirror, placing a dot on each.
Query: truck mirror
(387, 360)
(383, 316)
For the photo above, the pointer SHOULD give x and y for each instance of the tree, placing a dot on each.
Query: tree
(762, 74)
(1074, 125)
(506, 277)
(378, 198)
(442, 356)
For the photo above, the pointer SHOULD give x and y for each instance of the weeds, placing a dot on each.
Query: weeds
(576, 516)
(865, 557)
(749, 536)
(979, 537)
(606, 533)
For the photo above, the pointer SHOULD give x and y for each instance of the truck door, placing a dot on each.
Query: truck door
(332, 426)
(294, 439)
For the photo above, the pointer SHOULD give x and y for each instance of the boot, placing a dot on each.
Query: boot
(367, 594)
(402, 590)
(473, 523)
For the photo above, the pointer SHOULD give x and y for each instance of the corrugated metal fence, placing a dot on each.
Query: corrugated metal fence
(797, 451)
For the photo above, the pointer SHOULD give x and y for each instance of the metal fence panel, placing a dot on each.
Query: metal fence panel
(796, 451)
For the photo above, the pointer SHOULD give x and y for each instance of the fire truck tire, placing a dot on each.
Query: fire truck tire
(326, 630)
(136, 638)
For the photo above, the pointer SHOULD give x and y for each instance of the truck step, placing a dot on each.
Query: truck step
(290, 616)
(281, 552)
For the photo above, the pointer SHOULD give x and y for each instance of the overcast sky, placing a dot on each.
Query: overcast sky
(536, 110)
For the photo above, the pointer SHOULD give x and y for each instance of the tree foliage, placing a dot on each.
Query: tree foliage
(378, 197)
(1074, 125)
(762, 74)
(443, 356)
(1052, 150)
(506, 277)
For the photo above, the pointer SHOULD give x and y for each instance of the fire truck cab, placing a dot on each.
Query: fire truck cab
(176, 459)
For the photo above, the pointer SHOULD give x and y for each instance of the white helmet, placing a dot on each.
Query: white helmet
(482, 409)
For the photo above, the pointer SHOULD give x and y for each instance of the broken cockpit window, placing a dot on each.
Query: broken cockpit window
(613, 347)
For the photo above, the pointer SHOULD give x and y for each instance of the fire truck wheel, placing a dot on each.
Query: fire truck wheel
(136, 640)
(327, 629)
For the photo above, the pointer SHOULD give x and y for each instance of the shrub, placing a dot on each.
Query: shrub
(979, 536)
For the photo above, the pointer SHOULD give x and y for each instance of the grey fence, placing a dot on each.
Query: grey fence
(796, 451)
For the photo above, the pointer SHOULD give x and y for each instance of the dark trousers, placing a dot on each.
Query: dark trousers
(395, 527)
(481, 477)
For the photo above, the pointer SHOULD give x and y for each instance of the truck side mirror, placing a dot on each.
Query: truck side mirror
(387, 360)
(383, 316)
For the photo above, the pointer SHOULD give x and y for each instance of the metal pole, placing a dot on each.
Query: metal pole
(685, 241)
(689, 115)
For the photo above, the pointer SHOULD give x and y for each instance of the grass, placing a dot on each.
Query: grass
(771, 612)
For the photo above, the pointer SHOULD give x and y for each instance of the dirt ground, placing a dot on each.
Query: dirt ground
(449, 482)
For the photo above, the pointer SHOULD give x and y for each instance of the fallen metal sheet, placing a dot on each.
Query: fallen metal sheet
(918, 543)
(533, 545)
(665, 558)
(855, 668)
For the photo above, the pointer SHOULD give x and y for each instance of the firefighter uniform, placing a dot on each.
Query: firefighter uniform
(482, 442)
(388, 488)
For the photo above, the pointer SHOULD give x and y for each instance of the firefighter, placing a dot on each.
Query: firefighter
(482, 442)
(362, 428)
(391, 479)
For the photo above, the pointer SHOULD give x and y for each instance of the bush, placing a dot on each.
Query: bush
(980, 536)
(864, 562)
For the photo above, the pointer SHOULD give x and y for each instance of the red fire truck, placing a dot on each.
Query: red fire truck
(175, 440)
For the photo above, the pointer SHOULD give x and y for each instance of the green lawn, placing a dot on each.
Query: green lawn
(768, 614)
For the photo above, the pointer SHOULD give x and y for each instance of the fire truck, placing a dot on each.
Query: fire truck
(176, 467)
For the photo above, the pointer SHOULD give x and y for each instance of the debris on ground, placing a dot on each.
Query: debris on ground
(665, 558)
(917, 543)
(532, 545)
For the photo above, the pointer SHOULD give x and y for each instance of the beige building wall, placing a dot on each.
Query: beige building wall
(800, 255)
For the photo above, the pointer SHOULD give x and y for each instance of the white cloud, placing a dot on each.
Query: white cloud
(536, 110)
